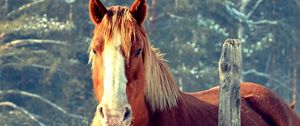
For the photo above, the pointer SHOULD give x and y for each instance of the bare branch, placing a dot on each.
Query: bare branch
(30, 42)
(260, 22)
(297, 2)
(24, 7)
(153, 4)
(2, 35)
(280, 85)
(36, 96)
(152, 11)
(242, 17)
(294, 86)
(30, 115)
(294, 77)
(30, 65)
(254, 8)
(174, 16)
(9, 54)
(253, 71)
(261, 74)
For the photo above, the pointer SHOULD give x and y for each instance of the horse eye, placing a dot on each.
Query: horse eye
(94, 51)
(138, 52)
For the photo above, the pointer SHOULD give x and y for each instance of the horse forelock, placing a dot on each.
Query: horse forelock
(161, 91)
(118, 20)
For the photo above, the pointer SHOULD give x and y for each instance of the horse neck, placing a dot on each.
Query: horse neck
(166, 102)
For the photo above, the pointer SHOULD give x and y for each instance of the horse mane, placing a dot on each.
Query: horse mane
(161, 91)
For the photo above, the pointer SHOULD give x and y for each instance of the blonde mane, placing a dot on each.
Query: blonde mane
(161, 91)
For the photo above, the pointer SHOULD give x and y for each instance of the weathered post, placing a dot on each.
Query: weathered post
(230, 65)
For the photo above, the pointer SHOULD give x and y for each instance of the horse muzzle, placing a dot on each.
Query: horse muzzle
(115, 116)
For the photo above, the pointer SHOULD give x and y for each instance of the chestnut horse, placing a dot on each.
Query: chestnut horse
(134, 85)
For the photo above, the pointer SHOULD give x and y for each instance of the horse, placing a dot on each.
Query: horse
(134, 85)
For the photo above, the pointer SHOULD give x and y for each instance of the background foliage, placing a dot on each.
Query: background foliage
(45, 78)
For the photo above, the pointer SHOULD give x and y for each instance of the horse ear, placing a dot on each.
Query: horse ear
(138, 10)
(97, 11)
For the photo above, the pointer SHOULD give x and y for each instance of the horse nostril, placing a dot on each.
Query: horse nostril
(127, 113)
(101, 112)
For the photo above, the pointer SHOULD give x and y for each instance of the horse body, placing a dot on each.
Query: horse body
(259, 107)
(189, 111)
(134, 85)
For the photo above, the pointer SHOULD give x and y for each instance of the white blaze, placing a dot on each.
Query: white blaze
(114, 75)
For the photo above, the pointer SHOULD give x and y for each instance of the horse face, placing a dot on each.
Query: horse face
(117, 56)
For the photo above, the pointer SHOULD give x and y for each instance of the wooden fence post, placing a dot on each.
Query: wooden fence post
(230, 65)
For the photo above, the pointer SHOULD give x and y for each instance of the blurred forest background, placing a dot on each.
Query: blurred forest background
(45, 78)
